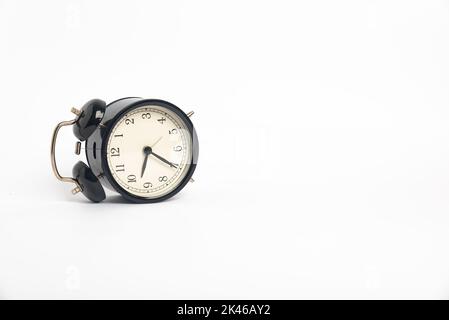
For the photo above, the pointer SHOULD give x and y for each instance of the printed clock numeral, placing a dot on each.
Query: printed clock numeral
(120, 168)
(146, 115)
(172, 131)
(115, 152)
(161, 120)
(177, 148)
(163, 179)
(147, 185)
(129, 121)
(131, 178)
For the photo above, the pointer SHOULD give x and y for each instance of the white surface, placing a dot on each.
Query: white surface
(324, 149)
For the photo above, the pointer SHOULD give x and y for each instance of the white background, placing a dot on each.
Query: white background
(324, 149)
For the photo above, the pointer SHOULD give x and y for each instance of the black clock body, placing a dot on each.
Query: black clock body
(96, 145)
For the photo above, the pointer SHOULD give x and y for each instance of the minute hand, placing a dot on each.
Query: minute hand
(164, 160)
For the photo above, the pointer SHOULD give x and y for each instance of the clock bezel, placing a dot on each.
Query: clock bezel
(116, 118)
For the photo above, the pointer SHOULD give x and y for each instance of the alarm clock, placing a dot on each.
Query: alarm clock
(144, 149)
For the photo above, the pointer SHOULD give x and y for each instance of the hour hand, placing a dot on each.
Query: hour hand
(147, 151)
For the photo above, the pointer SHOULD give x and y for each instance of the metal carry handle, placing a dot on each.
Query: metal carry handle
(78, 187)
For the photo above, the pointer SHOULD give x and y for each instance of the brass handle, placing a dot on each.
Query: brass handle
(53, 157)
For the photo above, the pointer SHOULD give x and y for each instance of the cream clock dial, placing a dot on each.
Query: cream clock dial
(149, 151)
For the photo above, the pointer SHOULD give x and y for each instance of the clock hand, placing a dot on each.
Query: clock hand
(147, 151)
(156, 142)
(164, 160)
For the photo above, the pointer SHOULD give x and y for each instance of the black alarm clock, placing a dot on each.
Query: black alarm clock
(144, 149)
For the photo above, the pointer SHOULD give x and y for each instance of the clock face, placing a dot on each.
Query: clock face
(149, 151)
